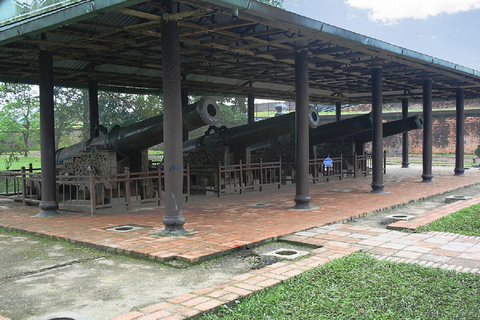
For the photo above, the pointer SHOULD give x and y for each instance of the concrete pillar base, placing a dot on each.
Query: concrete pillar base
(302, 202)
(459, 171)
(174, 225)
(49, 209)
(427, 178)
(378, 188)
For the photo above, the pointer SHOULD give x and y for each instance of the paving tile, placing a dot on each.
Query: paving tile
(418, 249)
(407, 254)
(434, 258)
(446, 253)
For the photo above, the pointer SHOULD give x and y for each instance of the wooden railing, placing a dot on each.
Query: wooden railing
(92, 192)
(236, 177)
(321, 172)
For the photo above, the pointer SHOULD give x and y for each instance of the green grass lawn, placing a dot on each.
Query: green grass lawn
(22, 162)
(465, 221)
(360, 287)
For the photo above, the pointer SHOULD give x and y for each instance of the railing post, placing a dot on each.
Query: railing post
(93, 194)
(30, 167)
(341, 166)
(127, 188)
(279, 172)
(188, 182)
(24, 186)
(355, 165)
(219, 178)
(260, 188)
(384, 161)
(159, 184)
(241, 177)
(315, 168)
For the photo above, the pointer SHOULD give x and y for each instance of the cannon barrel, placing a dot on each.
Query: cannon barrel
(340, 129)
(132, 139)
(392, 128)
(251, 133)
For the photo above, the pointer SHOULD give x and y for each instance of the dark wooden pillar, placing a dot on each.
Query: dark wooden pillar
(377, 131)
(93, 106)
(302, 196)
(184, 106)
(405, 135)
(459, 151)
(48, 204)
(251, 108)
(338, 111)
(427, 175)
(172, 127)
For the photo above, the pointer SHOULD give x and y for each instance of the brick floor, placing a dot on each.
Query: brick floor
(231, 222)
(455, 252)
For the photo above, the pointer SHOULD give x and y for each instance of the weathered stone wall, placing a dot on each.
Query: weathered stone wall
(444, 135)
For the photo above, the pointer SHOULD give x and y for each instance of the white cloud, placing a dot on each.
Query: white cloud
(389, 11)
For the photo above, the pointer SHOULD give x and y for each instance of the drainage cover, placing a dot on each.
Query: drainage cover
(403, 217)
(340, 190)
(392, 218)
(126, 228)
(289, 254)
(451, 199)
(63, 315)
(260, 205)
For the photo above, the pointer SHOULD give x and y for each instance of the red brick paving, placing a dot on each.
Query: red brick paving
(225, 224)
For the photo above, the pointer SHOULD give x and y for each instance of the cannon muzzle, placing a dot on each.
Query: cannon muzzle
(252, 133)
(392, 128)
(129, 140)
(344, 128)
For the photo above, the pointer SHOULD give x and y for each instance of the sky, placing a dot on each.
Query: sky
(444, 29)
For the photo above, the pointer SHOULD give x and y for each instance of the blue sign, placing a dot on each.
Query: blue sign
(327, 162)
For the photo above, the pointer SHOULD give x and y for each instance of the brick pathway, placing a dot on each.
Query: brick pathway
(432, 249)
(226, 224)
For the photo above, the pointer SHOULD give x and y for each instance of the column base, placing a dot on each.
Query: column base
(174, 225)
(174, 232)
(427, 178)
(459, 171)
(49, 209)
(302, 202)
(378, 187)
(405, 165)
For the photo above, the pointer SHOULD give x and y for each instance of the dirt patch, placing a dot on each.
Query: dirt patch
(40, 277)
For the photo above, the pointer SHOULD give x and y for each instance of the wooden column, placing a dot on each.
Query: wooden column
(251, 108)
(48, 204)
(172, 127)
(405, 135)
(302, 196)
(377, 131)
(459, 150)
(427, 175)
(338, 111)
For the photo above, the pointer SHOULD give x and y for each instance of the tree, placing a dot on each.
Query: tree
(10, 140)
(69, 106)
(20, 103)
(124, 109)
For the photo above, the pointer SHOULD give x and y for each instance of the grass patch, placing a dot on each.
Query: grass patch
(465, 221)
(22, 162)
(360, 287)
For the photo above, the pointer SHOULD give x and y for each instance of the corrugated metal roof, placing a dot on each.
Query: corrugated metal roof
(118, 43)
